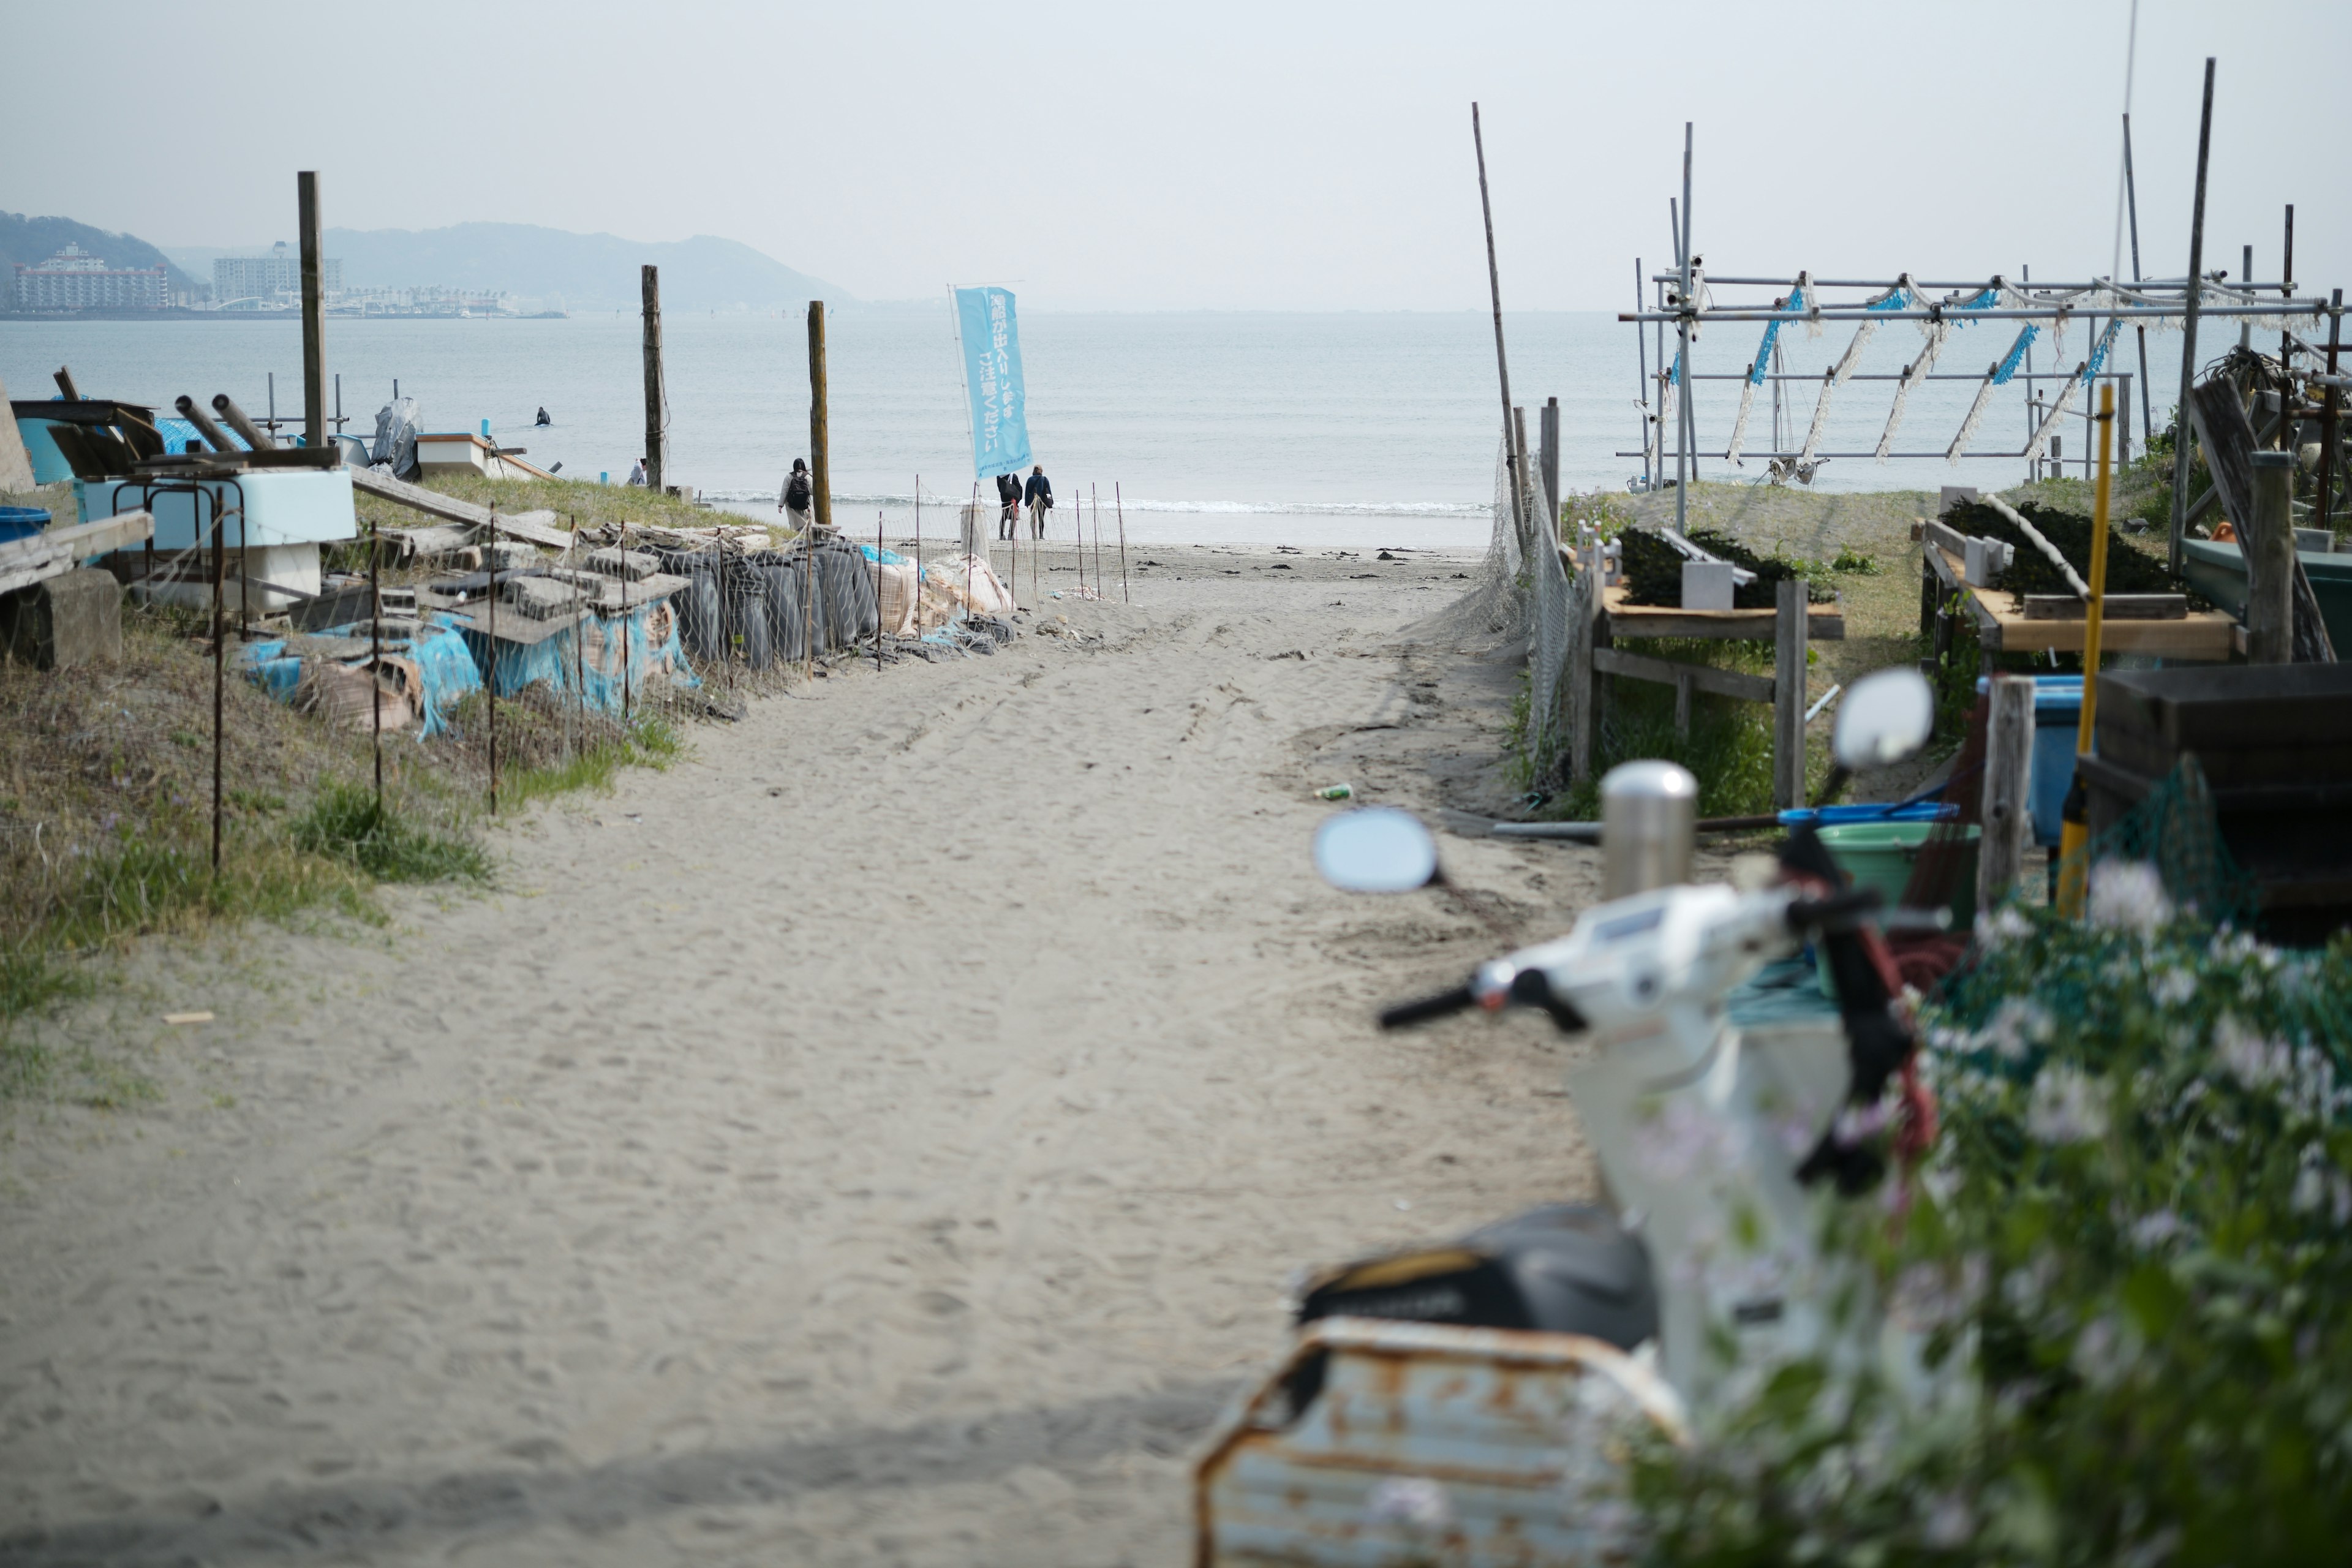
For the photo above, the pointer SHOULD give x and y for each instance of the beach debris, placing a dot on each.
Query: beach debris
(199, 1017)
(1336, 791)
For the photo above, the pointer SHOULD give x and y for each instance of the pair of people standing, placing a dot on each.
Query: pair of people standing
(1011, 494)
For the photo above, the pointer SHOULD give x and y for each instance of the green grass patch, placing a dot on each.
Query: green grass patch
(347, 824)
(648, 743)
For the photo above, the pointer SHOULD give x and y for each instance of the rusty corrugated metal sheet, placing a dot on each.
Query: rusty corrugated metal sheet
(1427, 1443)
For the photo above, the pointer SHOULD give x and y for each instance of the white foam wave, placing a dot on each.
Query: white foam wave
(1204, 508)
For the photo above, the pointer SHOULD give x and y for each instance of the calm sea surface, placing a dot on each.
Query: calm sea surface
(1326, 430)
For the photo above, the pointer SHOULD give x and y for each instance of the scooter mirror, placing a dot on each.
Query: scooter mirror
(1375, 850)
(1886, 716)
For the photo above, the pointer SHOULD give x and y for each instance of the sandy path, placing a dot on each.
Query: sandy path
(883, 1137)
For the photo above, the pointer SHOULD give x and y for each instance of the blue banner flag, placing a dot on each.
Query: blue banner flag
(992, 368)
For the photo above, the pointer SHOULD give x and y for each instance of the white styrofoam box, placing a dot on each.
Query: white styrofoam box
(1982, 560)
(1707, 584)
(294, 566)
(282, 506)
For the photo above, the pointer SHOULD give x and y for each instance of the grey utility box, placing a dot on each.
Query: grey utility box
(1707, 585)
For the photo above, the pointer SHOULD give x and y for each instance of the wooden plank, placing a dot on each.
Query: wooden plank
(1672, 672)
(534, 526)
(1826, 622)
(1943, 537)
(2200, 635)
(2118, 607)
(25, 561)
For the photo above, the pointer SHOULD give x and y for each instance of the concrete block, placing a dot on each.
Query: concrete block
(1707, 584)
(1984, 560)
(71, 619)
(1953, 495)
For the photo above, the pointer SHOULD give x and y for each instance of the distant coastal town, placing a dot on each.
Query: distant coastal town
(76, 282)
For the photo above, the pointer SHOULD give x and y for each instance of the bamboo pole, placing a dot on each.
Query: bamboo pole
(1094, 500)
(2327, 420)
(1684, 431)
(1120, 503)
(2074, 837)
(877, 577)
(2195, 287)
(375, 650)
(2131, 202)
(1494, 290)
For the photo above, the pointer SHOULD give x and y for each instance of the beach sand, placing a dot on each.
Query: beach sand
(882, 1137)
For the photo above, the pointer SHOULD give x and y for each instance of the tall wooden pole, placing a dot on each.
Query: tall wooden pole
(491, 688)
(314, 311)
(2131, 202)
(2180, 436)
(2286, 340)
(1494, 290)
(820, 480)
(1684, 433)
(656, 427)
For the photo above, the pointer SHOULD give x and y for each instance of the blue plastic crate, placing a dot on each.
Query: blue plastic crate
(2057, 722)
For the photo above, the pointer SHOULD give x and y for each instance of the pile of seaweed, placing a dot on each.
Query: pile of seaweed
(1653, 570)
(2129, 571)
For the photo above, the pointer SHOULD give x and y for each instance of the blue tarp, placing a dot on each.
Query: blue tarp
(593, 666)
(438, 651)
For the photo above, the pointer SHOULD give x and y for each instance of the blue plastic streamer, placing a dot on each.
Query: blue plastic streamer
(1772, 333)
(2016, 355)
(2099, 351)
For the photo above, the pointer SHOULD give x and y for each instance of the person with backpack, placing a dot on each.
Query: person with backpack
(1040, 495)
(1008, 497)
(798, 496)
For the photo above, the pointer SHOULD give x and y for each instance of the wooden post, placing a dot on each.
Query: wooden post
(2131, 198)
(314, 312)
(2189, 325)
(2269, 546)
(1583, 692)
(1522, 484)
(2008, 800)
(1789, 695)
(1682, 707)
(1548, 427)
(657, 428)
(820, 484)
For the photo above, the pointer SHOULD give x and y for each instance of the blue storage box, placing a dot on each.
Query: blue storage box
(2057, 724)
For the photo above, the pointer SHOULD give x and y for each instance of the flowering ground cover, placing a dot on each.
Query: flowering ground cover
(2128, 1258)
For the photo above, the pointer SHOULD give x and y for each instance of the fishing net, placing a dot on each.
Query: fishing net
(1497, 603)
(2175, 831)
(1552, 615)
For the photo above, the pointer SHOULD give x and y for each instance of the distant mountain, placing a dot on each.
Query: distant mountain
(33, 240)
(705, 273)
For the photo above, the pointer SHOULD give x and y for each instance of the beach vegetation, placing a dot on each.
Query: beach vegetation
(2123, 1264)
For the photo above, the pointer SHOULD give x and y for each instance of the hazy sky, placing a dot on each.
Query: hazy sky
(1230, 156)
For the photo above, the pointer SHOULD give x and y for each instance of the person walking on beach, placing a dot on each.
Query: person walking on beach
(1008, 497)
(638, 474)
(797, 496)
(1040, 495)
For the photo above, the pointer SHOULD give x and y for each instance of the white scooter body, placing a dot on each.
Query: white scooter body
(1700, 1129)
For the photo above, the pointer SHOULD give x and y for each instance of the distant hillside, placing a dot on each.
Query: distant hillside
(33, 240)
(705, 273)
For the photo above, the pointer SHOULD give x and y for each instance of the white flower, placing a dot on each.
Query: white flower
(1950, 1522)
(2067, 1107)
(2100, 1353)
(2174, 986)
(2003, 925)
(2128, 895)
(2153, 1230)
(2014, 1024)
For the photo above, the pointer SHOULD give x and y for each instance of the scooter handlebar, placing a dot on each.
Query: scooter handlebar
(1421, 1011)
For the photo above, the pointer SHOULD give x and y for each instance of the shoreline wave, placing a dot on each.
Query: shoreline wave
(1202, 508)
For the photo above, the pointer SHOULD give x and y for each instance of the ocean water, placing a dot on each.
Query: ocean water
(1319, 430)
